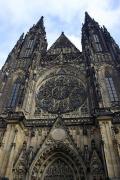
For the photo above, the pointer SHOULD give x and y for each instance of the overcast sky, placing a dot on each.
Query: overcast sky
(17, 16)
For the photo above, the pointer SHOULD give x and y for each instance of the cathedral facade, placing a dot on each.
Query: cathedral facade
(60, 108)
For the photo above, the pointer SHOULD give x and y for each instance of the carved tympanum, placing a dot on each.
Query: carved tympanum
(59, 170)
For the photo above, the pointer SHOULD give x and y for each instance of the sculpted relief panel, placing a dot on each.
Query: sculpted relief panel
(60, 94)
(59, 170)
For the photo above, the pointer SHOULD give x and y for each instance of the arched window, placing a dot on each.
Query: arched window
(27, 48)
(111, 87)
(97, 43)
(30, 43)
(15, 93)
(95, 37)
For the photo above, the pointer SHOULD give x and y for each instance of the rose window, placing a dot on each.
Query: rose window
(60, 94)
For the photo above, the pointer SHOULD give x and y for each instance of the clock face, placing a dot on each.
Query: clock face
(60, 94)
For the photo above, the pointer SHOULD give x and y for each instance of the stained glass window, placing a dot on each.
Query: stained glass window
(30, 43)
(95, 37)
(98, 47)
(27, 48)
(14, 94)
(111, 89)
(97, 43)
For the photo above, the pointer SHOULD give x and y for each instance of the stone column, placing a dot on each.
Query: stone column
(6, 135)
(4, 152)
(111, 157)
(117, 137)
(78, 137)
(11, 157)
(15, 148)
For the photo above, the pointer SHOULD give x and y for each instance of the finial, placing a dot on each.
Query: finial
(104, 28)
(86, 13)
(22, 36)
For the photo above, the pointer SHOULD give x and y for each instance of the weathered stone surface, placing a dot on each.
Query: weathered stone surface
(60, 108)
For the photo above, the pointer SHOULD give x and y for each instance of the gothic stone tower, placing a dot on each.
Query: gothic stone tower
(60, 108)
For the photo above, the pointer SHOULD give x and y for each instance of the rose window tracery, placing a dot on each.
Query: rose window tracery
(60, 94)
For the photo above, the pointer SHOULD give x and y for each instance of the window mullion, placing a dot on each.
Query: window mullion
(111, 89)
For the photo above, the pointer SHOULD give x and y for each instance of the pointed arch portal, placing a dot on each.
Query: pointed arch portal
(56, 163)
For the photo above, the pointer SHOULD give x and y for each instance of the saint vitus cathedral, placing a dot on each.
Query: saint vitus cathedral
(60, 108)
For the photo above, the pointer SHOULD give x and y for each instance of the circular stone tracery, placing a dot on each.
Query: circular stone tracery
(60, 94)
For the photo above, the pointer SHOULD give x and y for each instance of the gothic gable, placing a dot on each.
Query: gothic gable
(60, 44)
(57, 145)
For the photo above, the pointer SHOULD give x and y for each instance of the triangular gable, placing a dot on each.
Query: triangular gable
(61, 43)
(59, 130)
(58, 138)
(96, 164)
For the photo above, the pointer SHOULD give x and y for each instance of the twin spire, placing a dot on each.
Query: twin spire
(62, 40)
(40, 23)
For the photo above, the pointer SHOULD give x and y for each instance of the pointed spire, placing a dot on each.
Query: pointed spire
(105, 30)
(40, 23)
(108, 36)
(19, 42)
(106, 33)
(87, 18)
(20, 38)
(38, 26)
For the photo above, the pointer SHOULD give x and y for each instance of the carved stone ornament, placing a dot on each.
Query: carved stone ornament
(59, 170)
(60, 94)
(58, 134)
(58, 162)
